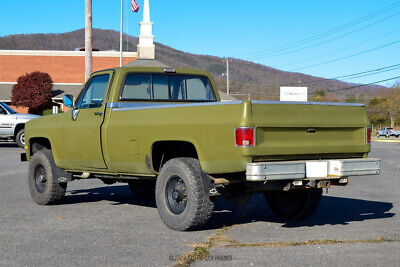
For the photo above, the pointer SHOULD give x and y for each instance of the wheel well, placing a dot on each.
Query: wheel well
(18, 128)
(39, 144)
(163, 151)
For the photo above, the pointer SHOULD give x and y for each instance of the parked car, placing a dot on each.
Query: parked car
(12, 124)
(388, 132)
(166, 132)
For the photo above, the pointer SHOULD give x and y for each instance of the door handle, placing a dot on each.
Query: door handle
(312, 131)
(98, 113)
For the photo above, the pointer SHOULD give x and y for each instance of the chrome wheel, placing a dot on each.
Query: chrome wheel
(22, 138)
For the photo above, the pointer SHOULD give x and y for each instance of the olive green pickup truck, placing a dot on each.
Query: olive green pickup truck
(166, 133)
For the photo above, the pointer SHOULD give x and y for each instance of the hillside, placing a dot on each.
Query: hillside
(246, 77)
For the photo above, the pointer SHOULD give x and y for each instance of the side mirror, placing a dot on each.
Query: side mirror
(69, 101)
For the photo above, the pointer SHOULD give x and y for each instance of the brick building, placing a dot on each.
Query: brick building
(66, 68)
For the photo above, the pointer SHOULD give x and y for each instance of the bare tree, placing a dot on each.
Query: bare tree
(392, 103)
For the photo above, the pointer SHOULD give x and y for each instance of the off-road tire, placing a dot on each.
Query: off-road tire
(52, 191)
(143, 188)
(19, 136)
(294, 205)
(199, 207)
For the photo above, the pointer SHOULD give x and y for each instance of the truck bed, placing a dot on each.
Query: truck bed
(284, 131)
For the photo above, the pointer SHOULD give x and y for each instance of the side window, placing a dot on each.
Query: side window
(137, 87)
(95, 92)
(199, 88)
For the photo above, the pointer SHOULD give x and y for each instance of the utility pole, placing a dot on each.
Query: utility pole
(120, 35)
(88, 38)
(227, 76)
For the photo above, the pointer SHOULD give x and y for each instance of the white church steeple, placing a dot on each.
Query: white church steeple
(146, 48)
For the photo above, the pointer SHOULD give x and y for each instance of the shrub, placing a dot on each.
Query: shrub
(33, 90)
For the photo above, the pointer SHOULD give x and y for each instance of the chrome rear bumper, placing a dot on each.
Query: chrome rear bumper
(313, 169)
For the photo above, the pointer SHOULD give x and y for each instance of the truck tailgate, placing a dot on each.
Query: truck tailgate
(309, 128)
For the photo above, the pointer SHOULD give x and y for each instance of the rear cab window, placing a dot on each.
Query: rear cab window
(167, 87)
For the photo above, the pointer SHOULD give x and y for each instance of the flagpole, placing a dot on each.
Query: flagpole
(88, 38)
(120, 37)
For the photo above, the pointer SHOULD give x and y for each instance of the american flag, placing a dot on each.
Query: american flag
(135, 6)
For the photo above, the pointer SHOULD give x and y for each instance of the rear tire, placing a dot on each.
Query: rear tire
(142, 188)
(294, 205)
(43, 177)
(182, 195)
(20, 138)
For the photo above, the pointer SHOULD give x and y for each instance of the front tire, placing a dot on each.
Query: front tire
(294, 205)
(20, 138)
(42, 179)
(182, 195)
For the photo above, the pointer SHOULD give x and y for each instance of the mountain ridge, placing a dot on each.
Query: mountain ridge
(262, 82)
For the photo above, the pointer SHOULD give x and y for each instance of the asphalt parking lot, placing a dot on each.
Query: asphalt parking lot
(105, 225)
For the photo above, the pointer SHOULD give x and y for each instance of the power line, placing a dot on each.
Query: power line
(348, 76)
(375, 70)
(362, 85)
(339, 50)
(332, 31)
(323, 42)
(340, 89)
(327, 33)
(346, 57)
(378, 72)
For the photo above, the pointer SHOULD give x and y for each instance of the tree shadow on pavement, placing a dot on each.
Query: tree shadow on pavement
(332, 210)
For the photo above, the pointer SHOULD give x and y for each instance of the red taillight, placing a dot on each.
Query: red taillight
(368, 135)
(244, 136)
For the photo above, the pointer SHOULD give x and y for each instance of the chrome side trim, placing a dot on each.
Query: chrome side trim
(307, 103)
(118, 106)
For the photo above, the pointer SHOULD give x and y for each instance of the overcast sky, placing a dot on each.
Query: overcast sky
(309, 36)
